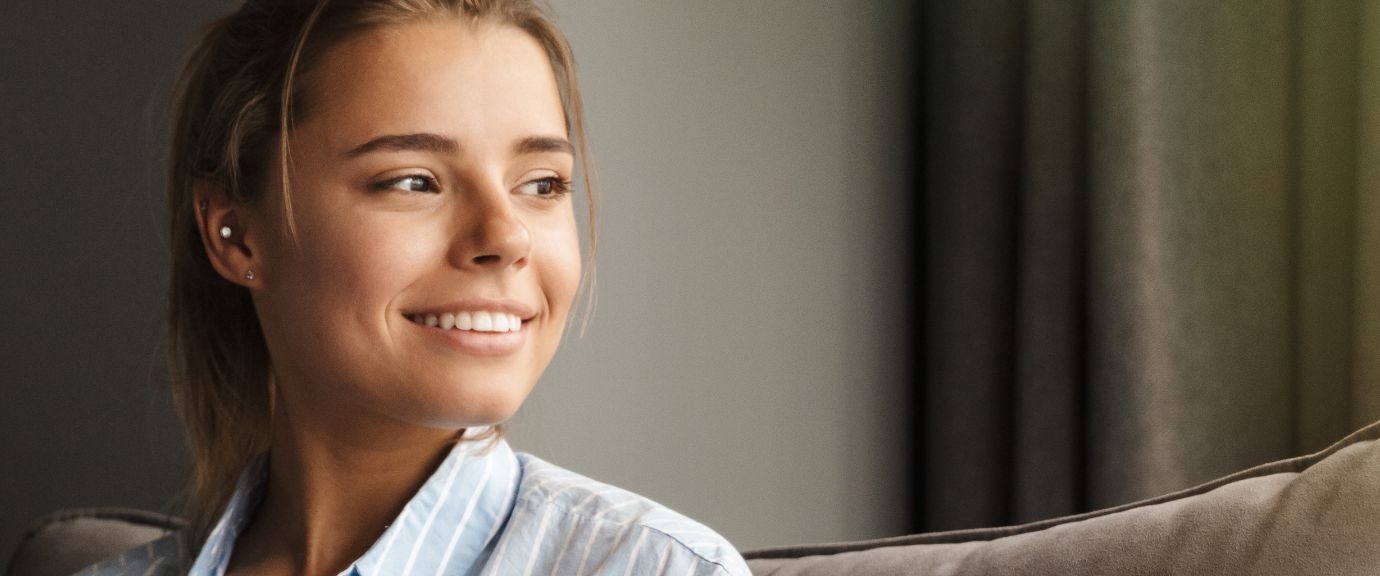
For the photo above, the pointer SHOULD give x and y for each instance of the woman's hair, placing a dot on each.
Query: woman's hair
(236, 101)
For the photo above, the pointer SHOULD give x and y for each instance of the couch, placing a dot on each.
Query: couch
(1312, 515)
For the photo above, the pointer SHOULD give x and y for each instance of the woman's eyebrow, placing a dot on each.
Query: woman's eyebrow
(538, 144)
(426, 142)
(421, 142)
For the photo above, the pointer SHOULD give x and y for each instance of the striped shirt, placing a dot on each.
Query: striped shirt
(483, 512)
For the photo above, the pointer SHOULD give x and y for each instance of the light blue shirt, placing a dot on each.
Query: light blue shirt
(483, 512)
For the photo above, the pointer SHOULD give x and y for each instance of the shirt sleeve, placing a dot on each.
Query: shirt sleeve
(547, 540)
(709, 557)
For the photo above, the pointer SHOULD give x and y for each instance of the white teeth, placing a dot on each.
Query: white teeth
(482, 321)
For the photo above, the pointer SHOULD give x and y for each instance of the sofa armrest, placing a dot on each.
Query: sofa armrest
(67, 541)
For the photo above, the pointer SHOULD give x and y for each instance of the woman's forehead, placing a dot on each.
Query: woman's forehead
(478, 82)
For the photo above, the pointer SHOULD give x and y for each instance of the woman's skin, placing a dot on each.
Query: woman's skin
(468, 212)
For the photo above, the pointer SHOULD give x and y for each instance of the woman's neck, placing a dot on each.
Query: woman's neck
(332, 491)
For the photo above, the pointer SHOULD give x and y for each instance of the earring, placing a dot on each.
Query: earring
(204, 206)
(249, 274)
(225, 232)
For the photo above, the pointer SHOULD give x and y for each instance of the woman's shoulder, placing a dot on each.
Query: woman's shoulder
(564, 519)
(164, 556)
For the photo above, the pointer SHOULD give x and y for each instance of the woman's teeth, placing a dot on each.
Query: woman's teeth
(474, 321)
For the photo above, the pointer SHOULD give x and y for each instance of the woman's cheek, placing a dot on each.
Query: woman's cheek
(561, 265)
(374, 256)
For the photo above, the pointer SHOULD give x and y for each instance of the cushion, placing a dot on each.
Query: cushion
(1317, 514)
(67, 541)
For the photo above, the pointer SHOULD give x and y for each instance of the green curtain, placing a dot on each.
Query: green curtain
(1151, 246)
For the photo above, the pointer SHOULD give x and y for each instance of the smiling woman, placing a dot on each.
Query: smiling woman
(375, 254)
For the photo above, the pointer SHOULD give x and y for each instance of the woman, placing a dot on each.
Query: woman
(374, 257)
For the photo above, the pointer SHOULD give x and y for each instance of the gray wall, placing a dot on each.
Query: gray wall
(752, 313)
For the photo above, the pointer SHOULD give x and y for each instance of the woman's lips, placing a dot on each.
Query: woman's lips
(473, 306)
(473, 340)
(479, 321)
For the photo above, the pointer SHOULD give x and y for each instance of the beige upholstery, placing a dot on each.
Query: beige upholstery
(1315, 515)
(67, 541)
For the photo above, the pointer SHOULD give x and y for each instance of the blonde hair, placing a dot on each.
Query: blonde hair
(235, 104)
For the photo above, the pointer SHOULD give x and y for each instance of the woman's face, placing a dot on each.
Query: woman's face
(428, 183)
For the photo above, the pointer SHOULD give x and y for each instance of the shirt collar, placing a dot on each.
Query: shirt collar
(215, 552)
(447, 527)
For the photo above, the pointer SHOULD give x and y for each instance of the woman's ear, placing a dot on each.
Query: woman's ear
(226, 234)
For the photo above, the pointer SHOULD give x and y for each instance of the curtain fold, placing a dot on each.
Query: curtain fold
(1150, 247)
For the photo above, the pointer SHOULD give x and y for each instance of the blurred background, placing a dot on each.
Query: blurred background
(866, 267)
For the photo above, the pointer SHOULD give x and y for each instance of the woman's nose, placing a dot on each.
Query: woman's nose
(491, 235)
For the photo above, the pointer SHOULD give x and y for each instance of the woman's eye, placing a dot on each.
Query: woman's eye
(413, 183)
(550, 186)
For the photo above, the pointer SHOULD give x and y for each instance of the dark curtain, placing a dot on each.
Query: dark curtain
(1151, 246)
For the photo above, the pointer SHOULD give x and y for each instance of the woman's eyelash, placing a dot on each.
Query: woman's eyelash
(550, 188)
(409, 182)
(555, 187)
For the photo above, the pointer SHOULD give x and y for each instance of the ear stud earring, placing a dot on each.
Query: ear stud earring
(225, 232)
(249, 274)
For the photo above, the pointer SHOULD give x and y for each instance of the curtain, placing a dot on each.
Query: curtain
(1151, 246)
